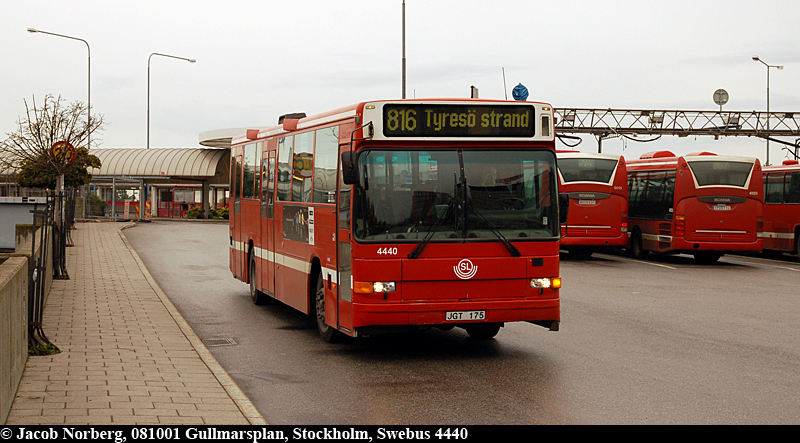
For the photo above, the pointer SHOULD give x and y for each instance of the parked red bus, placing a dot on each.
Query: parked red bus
(395, 215)
(597, 185)
(700, 204)
(782, 208)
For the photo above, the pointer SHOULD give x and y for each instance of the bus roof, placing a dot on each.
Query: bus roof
(293, 124)
(578, 154)
(667, 158)
(787, 165)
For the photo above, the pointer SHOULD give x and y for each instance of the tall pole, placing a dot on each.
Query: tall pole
(190, 60)
(60, 179)
(89, 72)
(779, 67)
(404, 48)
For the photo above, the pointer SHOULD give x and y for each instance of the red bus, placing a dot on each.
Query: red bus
(597, 185)
(395, 215)
(700, 204)
(782, 208)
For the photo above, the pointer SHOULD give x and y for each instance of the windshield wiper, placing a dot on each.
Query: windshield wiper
(511, 248)
(428, 235)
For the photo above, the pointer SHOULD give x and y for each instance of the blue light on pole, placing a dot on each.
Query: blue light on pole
(520, 93)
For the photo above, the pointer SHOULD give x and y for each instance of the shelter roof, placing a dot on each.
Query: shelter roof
(158, 162)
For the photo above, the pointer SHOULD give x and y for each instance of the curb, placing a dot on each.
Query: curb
(242, 402)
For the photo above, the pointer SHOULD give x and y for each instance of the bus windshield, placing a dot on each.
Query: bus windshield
(452, 195)
(586, 169)
(726, 173)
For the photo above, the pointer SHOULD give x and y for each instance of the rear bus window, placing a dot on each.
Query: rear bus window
(711, 173)
(586, 169)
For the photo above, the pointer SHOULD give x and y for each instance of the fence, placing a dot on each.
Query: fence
(13, 319)
(25, 280)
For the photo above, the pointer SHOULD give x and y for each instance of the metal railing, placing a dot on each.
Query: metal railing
(38, 267)
(52, 226)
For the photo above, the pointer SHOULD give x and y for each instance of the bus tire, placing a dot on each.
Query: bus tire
(797, 244)
(258, 297)
(483, 331)
(581, 253)
(707, 257)
(328, 333)
(637, 250)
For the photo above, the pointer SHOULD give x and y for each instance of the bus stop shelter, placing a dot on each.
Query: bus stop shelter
(158, 174)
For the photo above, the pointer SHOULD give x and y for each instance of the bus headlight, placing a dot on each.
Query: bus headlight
(384, 286)
(369, 287)
(546, 283)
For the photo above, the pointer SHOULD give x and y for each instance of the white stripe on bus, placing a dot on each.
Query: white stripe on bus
(287, 261)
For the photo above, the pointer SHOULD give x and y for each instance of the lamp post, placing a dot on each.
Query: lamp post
(190, 60)
(779, 67)
(404, 49)
(89, 87)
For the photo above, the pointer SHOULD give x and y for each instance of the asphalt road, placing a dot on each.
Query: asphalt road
(659, 341)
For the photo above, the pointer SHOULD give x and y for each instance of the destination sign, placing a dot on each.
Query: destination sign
(441, 120)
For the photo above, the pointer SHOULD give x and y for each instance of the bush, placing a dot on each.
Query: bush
(213, 213)
(96, 205)
(48, 349)
(218, 214)
(195, 212)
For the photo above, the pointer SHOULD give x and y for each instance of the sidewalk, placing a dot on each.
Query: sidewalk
(127, 356)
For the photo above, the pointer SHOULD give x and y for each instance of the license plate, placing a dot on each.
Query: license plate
(587, 202)
(721, 208)
(465, 315)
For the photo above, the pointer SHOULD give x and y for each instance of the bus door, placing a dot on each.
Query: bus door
(238, 253)
(267, 262)
(283, 195)
(343, 252)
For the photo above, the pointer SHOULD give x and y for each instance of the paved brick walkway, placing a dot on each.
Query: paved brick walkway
(128, 357)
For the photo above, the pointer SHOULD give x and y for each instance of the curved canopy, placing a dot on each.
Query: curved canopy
(160, 162)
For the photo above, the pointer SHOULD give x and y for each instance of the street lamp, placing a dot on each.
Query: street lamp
(190, 60)
(89, 98)
(780, 67)
(404, 49)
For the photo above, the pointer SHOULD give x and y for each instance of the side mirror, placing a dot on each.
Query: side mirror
(563, 207)
(349, 168)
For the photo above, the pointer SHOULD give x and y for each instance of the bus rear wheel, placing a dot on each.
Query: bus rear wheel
(328, 334)
(483, 331)
(797, 244)
(581, 253)
(637, 250)
(258, 297)
(707, 257)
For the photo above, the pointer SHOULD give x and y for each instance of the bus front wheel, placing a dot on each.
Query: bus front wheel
(483, 331)
(328, 334)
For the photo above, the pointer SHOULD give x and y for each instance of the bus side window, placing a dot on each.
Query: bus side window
(325, 159)
(234, 178)
(302, 167)
(792, 188)
(285, 145)
(250, 171)
(773, 192)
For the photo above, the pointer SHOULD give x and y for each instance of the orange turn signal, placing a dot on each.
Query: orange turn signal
(363, 287)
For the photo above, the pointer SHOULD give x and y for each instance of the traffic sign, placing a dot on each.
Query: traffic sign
(720, 97)
(63, 152)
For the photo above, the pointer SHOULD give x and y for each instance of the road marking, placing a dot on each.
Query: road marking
(644, 262)
(763, 261)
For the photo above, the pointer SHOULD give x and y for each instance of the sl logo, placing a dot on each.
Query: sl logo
(465, 270)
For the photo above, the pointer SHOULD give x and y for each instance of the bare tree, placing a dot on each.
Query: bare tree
(41, 128)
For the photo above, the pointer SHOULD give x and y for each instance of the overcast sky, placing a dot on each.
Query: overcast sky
(257, 60)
